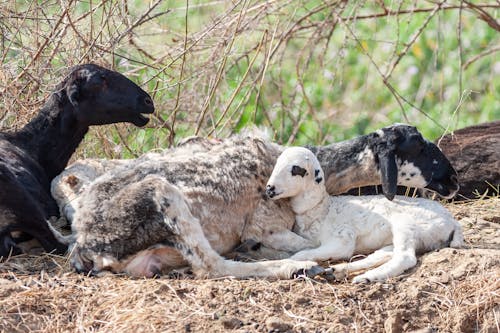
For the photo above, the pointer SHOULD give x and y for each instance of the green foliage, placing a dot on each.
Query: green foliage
(312, 71)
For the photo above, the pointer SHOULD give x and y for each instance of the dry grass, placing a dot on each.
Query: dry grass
(449, 291)
(278, 63)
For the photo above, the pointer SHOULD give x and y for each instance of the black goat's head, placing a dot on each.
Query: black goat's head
(406, 158)
(100, 96)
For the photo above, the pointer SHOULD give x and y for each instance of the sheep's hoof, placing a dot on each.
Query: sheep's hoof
(308, 272)
(329, 274)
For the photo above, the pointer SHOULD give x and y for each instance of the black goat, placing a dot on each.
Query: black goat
(31, 157)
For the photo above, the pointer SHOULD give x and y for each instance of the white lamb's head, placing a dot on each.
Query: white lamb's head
(297, 170)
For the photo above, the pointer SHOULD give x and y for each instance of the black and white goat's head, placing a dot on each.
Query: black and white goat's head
(404, 157)
(98, 96)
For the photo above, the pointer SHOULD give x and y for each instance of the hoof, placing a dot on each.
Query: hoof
(329, 274)
(308, 272)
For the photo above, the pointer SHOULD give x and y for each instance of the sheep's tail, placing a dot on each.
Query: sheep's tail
(457, 237)
(66, 240)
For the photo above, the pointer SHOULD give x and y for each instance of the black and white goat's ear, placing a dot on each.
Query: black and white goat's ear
(73, 90)
(389, 173)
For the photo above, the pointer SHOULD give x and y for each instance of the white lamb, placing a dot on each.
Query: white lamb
(344, 226)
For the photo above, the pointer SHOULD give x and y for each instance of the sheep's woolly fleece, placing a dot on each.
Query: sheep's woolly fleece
(449, 291)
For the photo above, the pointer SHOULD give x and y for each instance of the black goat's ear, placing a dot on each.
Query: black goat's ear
(389, 173)
(298, 171)
(74, 88)
(73, 93)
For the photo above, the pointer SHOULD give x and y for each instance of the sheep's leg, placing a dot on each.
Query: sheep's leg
(7, 245)
(195, 248)
(400, 262)
(266, 253)
(337, 248)
(22, 213)
(325, 252)
(403, 257)
(271, 226)
(376, 258)
(251, 250)
(278, 245)
(287, 240)
(150, 262)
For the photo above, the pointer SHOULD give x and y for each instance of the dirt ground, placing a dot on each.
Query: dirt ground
(449, 291)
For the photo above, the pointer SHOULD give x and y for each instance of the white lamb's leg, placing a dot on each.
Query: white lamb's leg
(400, 262)
(376, 258)
(335, 249)
(403, 258)
(287, 240)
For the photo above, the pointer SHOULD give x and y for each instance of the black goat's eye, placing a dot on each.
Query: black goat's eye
(298, 171)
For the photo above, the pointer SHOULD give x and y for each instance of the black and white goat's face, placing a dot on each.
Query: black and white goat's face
(100, 96)
(406, 158)
(295, 171)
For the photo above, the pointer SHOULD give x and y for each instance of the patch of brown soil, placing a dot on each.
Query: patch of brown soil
(449, 291)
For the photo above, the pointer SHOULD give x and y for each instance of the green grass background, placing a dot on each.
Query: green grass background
(291, 66)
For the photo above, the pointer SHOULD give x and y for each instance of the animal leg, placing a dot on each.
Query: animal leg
(250, 250)
(8, 246)
(22, 213)
(339, 246)
(376, 258)
(404, 237)
(287, 240)
(195, 248)
(402, 259)
(335, 249)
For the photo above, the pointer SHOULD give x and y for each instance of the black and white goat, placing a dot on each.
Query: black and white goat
(191, 204)
(33, 156)
(343, 226)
